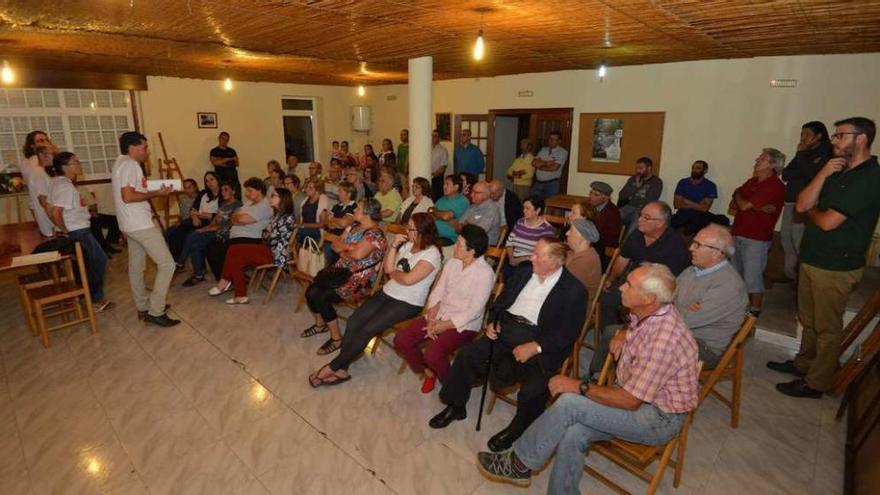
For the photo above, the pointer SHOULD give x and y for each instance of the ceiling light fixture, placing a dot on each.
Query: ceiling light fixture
(361, 90)
(603, 69)
(480, 45)
(6, 73)
(227, 85)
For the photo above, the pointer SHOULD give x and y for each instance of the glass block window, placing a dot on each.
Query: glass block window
(86, 122)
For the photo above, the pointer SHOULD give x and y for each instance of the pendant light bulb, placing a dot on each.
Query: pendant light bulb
(227, 85)
(362, 90)
(479, 46)
(603, 69)
(6, 74)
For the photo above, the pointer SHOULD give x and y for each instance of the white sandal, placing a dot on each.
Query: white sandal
(235, 300)
(216, 291)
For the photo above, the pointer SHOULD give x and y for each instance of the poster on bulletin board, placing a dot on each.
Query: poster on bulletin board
(610, 143)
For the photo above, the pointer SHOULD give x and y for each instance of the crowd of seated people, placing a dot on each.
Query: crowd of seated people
(666, 304)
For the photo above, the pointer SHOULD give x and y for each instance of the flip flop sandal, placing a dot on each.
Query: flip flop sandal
(316, 382)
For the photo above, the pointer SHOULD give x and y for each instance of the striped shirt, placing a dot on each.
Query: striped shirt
(523, 238)
(658, 364)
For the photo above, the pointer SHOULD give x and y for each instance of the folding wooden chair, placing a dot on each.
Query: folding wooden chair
(594, 314)
(730, 366)
(502, 236)
(45, 275)
(261, 271)
(636, 457)
(395, 228)
(496, 255)
(63, 299)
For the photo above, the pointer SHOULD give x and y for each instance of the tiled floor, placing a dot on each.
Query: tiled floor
(220, 404)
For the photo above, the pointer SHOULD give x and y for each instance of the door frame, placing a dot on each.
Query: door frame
(534, 115)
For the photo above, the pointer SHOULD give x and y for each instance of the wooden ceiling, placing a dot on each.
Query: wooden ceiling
(328, 41)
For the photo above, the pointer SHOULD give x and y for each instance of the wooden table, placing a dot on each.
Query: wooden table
(561, 204)
(25, 234)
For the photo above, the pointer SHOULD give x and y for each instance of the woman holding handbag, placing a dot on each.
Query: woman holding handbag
(361, 248)
(411, 263)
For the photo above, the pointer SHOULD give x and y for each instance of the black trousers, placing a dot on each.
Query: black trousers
(373, 317)
(97, 225)
(175, 236)
(320, 300)
(610, 303)
(437, 187)
(470, 367)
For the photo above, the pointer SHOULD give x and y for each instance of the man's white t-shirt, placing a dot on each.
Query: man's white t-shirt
(417, 293)
(38, 184)
(131, 216)
(75, 211)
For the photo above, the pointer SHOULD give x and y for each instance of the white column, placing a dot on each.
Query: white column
(421, 116)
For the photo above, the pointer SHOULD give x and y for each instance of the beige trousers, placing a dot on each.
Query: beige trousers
(143, 243)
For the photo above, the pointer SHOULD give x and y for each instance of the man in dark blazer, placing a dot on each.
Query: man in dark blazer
(534, 323)
(508, 202)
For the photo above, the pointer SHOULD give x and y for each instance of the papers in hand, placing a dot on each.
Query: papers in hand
(35, 259)
(156, 184)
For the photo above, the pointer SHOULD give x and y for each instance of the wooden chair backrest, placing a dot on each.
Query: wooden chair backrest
(861, 320)
(736, 343)
(555, 220)
(395, 228)
(499, 254)
(502, 236)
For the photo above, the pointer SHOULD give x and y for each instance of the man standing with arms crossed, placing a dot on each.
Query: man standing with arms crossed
(842, 205)
(132, 201)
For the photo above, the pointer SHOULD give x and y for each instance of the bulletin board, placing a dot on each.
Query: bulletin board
(610, 143)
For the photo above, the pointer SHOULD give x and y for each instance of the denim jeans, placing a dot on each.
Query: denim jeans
(574, 422)
(545, 189)
(750, 261)
(95, 261)
(196, 246)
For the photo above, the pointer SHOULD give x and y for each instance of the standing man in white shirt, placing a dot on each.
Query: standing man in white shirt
(132, 201)
(439, 164)
(548, 167)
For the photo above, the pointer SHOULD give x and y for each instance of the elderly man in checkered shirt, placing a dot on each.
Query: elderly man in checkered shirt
(655, 389)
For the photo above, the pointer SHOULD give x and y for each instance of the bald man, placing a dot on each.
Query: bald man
(508, 203)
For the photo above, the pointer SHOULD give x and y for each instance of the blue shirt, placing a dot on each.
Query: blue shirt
(696, 192)
(468, 159)
(457, 204)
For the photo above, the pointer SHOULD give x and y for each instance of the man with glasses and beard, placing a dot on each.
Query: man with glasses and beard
(693, 200)
(842, 206)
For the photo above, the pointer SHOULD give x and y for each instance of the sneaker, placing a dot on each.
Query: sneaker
(193, 281)
(503, 468)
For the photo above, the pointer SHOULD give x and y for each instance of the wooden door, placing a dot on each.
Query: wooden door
(478, 124)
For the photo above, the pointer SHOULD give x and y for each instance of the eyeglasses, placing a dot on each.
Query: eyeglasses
(412, 229)
(839, 135)
(699, 244)
(647, 218)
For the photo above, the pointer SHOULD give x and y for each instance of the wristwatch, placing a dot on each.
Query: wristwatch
(584, 388)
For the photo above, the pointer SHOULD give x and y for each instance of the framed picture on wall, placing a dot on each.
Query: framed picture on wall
(443, 124)
(206, 120)
(616, 140)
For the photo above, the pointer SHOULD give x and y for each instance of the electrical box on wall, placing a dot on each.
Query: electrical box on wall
(361, 118)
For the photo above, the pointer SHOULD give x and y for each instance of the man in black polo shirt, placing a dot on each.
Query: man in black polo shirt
(225, 161)
(653, 241)
(842, 204)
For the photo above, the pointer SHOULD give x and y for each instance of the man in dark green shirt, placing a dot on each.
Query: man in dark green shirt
(842, 204)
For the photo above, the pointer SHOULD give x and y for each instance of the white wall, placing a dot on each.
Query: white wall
(722, 111)
(506, 146)
(251, 113)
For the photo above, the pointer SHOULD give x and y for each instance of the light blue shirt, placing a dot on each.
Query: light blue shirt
(710, 270)
(556, 154)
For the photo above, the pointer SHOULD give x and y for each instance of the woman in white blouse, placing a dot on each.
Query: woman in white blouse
(411, 263)
(70, 214)
(417, 202)
(455, 309)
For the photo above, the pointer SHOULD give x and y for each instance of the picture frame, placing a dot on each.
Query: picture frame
(206, 120)
(443, 124)
(610, 143)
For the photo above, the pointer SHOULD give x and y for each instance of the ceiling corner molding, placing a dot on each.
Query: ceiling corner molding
(44, 78)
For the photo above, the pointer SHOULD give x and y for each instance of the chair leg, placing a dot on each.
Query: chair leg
(491, 405)
(41, 324)
(271, 285)
(93, 324)
(679, 461)
(737, 389)
(661, 467)
(374, 345)
(402, 367)
(302, 297)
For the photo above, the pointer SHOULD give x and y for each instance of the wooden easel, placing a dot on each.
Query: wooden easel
(168, 169)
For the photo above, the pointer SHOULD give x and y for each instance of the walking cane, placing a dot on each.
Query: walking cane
(486, 381)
